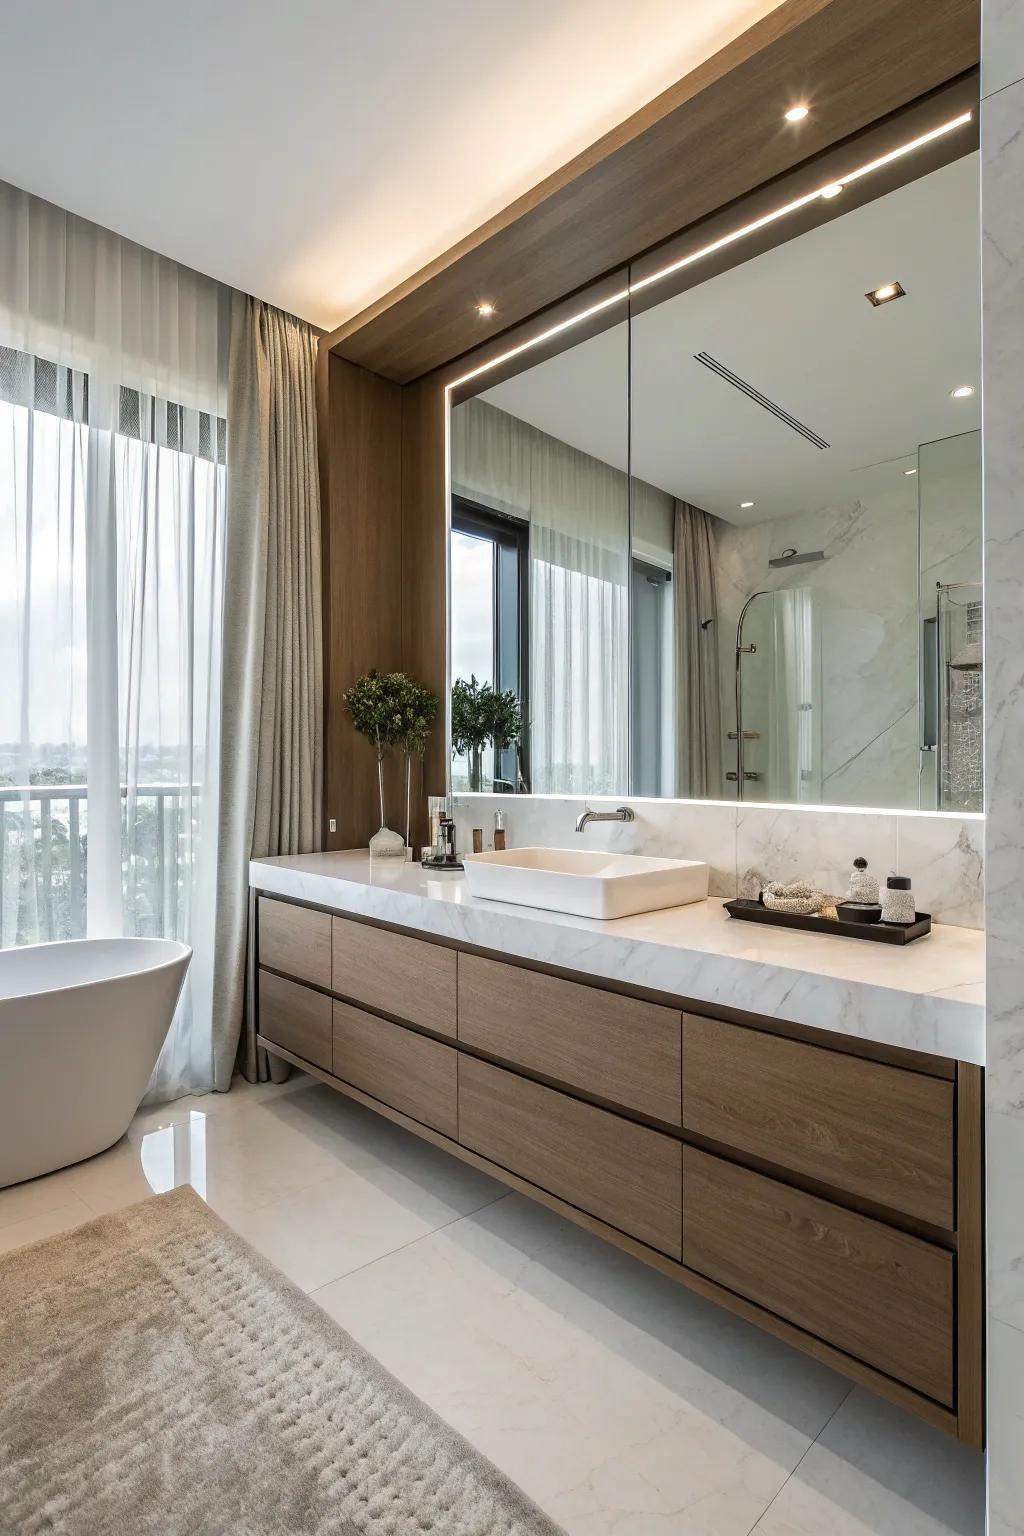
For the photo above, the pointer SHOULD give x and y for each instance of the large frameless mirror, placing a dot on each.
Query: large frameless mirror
(733, 548)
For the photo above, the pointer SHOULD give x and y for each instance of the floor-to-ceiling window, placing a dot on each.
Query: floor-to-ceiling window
(112, 527)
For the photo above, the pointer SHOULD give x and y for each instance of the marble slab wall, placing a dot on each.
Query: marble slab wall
(1002, 210)
(867, 619)
(747, 845)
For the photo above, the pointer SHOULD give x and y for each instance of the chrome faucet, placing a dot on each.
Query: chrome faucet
(622, 814)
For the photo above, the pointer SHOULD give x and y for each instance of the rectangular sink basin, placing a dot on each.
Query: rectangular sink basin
(584, 882)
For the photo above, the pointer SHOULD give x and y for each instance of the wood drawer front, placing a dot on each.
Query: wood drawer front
(625, 1174)
(411, 1073)
(616, 1048)
(296, 1018)
(873, 1292)
(296, 940)
(408, 977)
(879, 1132)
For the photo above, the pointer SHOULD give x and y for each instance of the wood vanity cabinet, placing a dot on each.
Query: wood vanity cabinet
(825, 1188)
(616, 1048)
(873, 1130)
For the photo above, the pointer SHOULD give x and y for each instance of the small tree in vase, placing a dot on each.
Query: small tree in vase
(419, 706)
(505, 726)
(376, 704)
(480, 715)
(470, 703)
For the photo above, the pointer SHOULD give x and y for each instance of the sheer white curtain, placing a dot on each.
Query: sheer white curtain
(579, 622)
(112, 498)
(794, 700)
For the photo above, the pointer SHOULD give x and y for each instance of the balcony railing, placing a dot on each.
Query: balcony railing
(44, 859)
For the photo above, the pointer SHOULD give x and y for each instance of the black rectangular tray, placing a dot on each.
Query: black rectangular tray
(879, 933)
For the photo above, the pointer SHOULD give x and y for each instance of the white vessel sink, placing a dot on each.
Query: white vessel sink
(585, 883)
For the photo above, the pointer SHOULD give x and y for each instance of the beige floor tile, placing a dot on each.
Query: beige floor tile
(44, 1223)
(875, 1471)
(619, 1401)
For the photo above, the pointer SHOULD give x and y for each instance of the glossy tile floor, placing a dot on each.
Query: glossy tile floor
(623, 1405)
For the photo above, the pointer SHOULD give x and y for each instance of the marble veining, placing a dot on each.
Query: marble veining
(746, 844)
(1002, 155)
(912, 998)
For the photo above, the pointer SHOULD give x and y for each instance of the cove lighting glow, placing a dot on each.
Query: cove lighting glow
(720, 244)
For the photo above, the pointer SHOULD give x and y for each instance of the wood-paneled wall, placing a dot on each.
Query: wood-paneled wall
(361, 509)
(384, 587)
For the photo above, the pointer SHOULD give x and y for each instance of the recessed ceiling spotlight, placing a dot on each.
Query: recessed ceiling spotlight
(832, 190)
(962, 391)
(485, 309)
(910, 471)
(797, 114)
(745, 504)
(885, 294)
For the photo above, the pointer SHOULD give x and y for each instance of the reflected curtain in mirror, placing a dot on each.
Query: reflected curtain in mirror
(699, 730)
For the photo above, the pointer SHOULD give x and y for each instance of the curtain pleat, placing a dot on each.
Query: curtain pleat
(271, 760)
(699, 720)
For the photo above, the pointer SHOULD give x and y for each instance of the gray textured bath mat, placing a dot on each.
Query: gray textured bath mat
(157, 1375)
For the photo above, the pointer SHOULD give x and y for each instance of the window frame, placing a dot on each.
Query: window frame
(507, 534)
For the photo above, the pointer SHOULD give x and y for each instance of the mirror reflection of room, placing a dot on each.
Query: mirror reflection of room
(740, 556)
(540, 573)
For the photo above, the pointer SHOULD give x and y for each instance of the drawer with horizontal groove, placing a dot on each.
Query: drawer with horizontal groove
(410, 1072)
(396, 974)
(296, 1017)
(871, 1130)
(295, 940)
(877, 1294)
(625, 1174)
(617, 1048)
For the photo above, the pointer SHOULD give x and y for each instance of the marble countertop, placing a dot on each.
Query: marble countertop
(927, 997)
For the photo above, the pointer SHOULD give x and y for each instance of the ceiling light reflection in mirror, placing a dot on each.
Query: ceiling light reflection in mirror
(827, 191)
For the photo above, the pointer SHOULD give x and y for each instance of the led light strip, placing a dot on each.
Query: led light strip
(826, 191)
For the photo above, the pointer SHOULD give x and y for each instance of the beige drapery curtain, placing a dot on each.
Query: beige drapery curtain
(272, 680)
(699, 715)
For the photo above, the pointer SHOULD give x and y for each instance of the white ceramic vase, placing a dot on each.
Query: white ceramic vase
(385, 844)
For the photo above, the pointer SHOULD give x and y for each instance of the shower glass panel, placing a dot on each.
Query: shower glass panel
(961, 764)
(949, 498)
(779, 659)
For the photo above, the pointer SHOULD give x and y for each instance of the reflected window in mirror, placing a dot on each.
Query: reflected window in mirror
(489, 585)
(565, 491)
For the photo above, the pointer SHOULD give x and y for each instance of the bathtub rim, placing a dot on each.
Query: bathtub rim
(183, 955)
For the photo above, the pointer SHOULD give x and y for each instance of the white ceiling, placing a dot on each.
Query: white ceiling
(316, 152)
(794, 323)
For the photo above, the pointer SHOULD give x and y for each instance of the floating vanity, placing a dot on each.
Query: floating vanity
(787, 1124)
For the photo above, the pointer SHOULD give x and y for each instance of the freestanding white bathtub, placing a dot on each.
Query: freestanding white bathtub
(81, 1027)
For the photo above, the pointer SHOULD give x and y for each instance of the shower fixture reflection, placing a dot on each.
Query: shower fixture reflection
(740, 775)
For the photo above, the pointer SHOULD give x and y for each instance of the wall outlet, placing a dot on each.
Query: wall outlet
(332, 825)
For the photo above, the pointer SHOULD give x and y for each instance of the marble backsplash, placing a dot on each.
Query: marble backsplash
(747, 845)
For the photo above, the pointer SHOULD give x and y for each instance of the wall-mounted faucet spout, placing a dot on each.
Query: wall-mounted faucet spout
(624, 813)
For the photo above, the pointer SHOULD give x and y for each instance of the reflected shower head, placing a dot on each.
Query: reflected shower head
(790, 557)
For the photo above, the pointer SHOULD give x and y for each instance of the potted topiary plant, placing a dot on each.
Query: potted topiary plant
(470, 703)
(505, 724)
(480, 715)
(419, 706)
(376, 703)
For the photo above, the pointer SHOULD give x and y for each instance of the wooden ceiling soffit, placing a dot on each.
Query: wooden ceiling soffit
(608, 302)
(707, 141)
